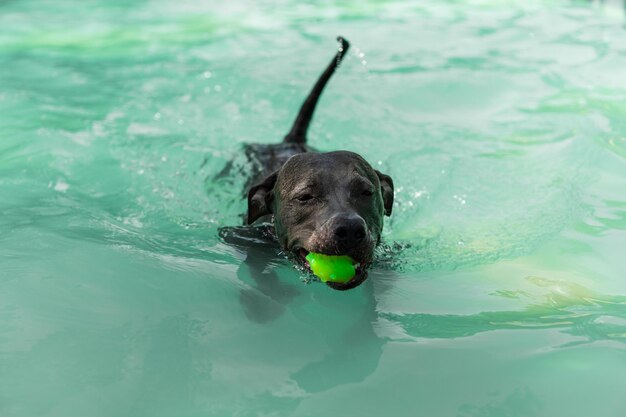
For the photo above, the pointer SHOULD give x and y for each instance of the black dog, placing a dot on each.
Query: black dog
(331, 203)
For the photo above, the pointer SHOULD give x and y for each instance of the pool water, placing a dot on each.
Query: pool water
(500, 289)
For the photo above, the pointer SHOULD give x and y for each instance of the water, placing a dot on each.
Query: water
(500, 291)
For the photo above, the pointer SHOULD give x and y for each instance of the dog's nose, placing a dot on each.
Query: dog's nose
(350, 231)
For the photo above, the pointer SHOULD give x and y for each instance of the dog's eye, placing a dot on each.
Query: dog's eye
(367, 193)
(305, 198)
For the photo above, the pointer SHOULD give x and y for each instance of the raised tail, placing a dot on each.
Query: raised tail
(301, 124)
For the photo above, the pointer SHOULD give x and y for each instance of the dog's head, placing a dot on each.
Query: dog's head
(331, 203)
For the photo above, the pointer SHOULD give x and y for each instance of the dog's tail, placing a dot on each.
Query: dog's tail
(301, 125)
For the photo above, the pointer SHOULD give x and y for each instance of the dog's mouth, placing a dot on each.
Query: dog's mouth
(359, 276)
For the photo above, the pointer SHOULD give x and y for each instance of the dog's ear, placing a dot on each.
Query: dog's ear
(386, 187)
(260, 198)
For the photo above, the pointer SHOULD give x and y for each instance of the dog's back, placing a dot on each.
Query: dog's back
(265, 159)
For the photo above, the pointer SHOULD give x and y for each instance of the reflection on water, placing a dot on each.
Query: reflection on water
(353, 354)
(576, 310)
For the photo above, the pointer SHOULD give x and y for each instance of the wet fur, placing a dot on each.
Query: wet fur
(331, 203)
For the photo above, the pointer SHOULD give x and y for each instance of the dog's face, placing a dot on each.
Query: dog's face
(331, 203)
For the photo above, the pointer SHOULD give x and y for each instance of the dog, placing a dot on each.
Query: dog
(325, 202)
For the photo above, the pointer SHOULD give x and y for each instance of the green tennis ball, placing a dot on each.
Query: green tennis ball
(332, 268)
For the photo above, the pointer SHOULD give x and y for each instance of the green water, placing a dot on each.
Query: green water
(502, 288)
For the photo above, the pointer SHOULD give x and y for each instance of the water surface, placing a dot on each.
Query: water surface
(500, 290)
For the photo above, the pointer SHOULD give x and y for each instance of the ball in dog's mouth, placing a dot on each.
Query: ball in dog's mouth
(339, 272)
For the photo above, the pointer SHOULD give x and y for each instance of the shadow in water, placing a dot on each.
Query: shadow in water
(353, 355)
(267, 299)
(352, 347)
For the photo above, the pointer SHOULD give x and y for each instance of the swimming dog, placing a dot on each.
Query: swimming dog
(325, 202)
